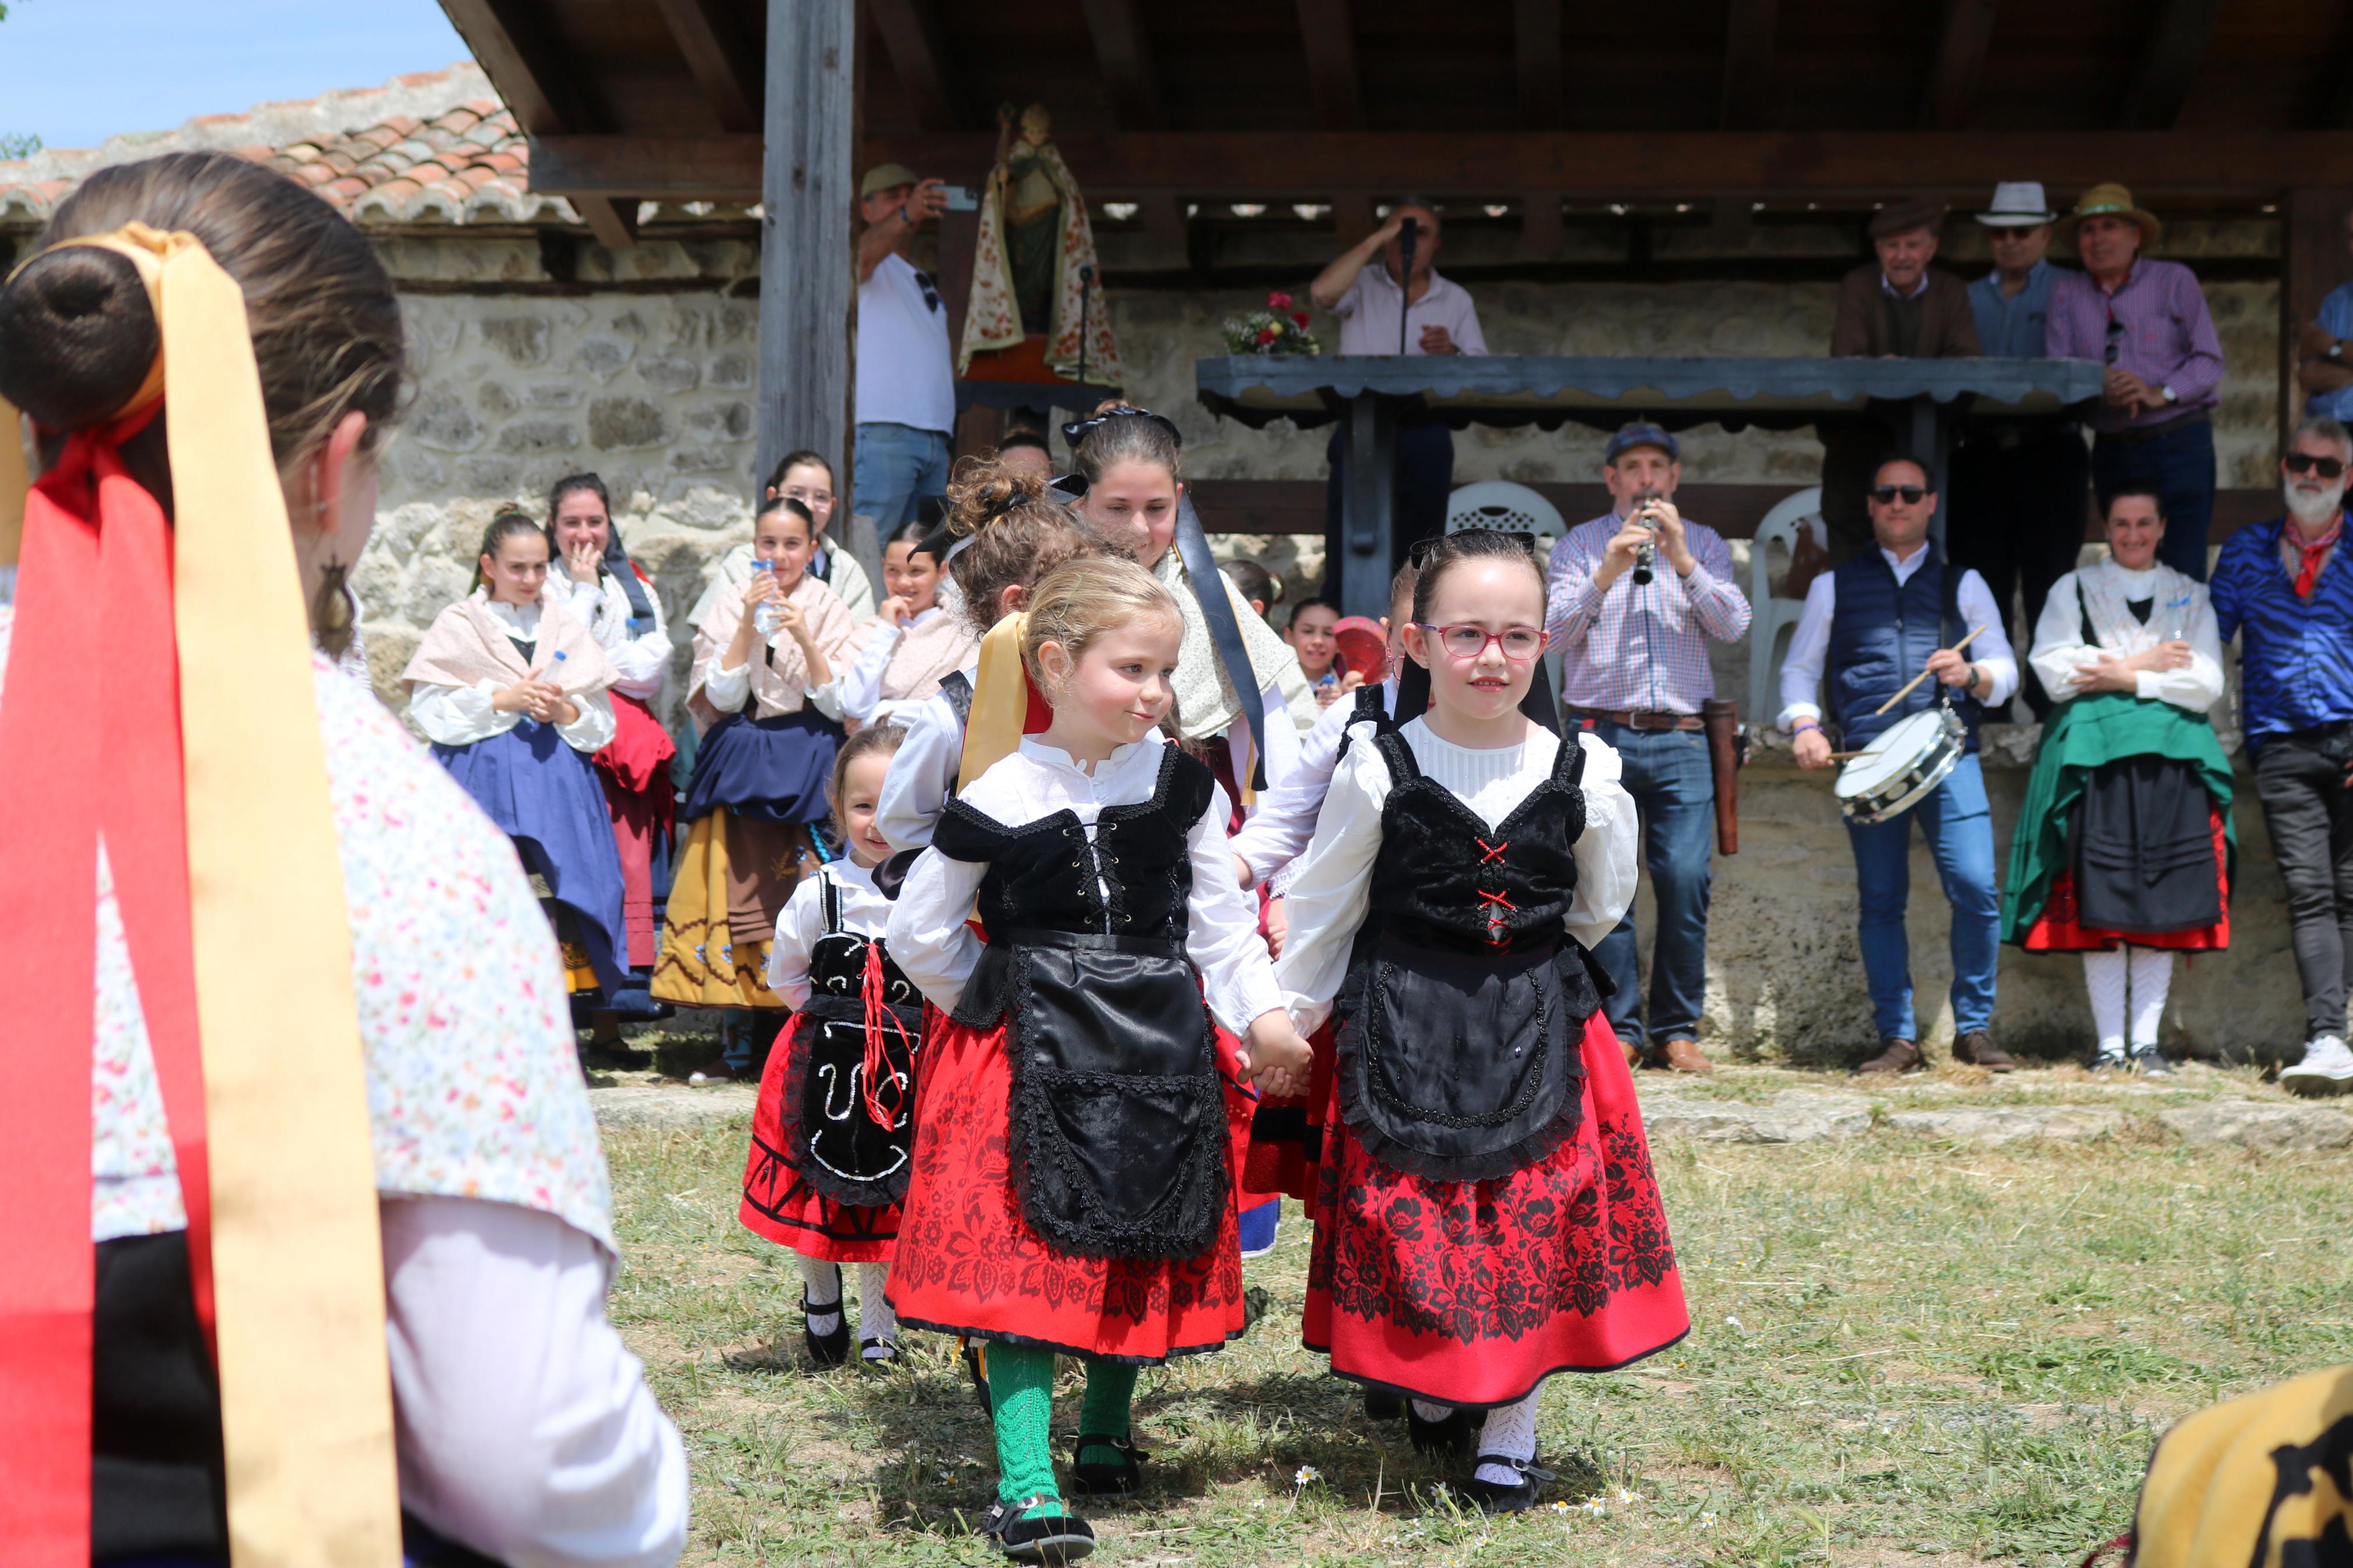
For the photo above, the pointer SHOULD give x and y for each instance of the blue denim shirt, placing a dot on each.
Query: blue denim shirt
(2012, 326)
(2335, 319)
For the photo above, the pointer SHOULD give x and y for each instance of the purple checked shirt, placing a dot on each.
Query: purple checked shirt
(1640, 648)
(2168, 340)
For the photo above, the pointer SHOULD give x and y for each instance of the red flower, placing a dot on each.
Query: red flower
(1278, 301)
(1265, 335)
(1299, 317)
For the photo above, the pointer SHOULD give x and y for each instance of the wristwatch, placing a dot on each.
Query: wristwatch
(2170, 396)
(2336, 349)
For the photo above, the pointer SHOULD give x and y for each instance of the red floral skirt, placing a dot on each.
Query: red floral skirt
(1471, 1293)
(2058, 929)
(778, 1202)
(968, 1262)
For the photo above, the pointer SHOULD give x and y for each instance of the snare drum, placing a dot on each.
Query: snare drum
(1897, 771)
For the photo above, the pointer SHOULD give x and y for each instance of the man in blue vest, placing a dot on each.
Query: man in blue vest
(1869, 626)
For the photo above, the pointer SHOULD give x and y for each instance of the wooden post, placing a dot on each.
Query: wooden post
(807, 270)
(2312, 262)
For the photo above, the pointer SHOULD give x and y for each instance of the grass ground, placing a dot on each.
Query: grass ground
(1902, 1352)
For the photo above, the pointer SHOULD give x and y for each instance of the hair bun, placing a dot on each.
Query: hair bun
(982, 490)
(77, 336)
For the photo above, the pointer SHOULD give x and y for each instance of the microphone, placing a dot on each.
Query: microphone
(1407, 232)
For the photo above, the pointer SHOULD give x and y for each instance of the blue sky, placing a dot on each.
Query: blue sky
(76, 71)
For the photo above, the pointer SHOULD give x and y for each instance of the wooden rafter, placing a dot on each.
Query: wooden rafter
(1748, 63)
(2169, 63)
(1124, 53)
(1328, 27)
(1537, 62)
(545, 99)
(1962, 40)
(720, 61)
(919, 53)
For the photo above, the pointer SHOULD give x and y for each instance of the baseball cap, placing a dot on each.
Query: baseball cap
(1641, 433)
(884, 177)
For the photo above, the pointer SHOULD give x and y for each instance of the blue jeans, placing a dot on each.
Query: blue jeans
(894, 465)
(2180, 463)
(1668, 776)
(1958, 827)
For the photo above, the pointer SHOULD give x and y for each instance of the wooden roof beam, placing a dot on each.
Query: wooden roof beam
(919, 54)
(522, 64)
(1329, 30)
(1748, 63)
(2169, 63)
(1125, 54)
(1958, 64)
(719, 60)
(1536, 61)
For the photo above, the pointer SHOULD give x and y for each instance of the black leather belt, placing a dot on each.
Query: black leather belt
(1648, 719)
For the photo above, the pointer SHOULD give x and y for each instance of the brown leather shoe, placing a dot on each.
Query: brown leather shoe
(1977, 1047)
(1895, 1055)
(1682, 1055)
(1633, 1055)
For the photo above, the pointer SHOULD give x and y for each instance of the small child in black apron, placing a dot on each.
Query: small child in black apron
(829, 1139)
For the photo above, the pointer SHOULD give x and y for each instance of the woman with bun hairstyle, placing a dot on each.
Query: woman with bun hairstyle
(760, 775)
(614, 599)
(1075, 1116)
(512, 694)
(1485, 1215)
(1009, 531)
(334, 1131)
(897, 660)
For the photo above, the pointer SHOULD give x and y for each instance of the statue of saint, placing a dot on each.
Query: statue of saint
(1037, 312)
(1027, 183)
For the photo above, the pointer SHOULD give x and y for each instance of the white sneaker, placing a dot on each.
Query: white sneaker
(2326, 1067)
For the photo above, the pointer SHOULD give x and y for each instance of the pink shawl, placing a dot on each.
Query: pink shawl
(468, 644)
(780, 686)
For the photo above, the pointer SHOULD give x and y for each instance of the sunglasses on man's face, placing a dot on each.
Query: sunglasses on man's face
(2305, 462)
(1886, 495)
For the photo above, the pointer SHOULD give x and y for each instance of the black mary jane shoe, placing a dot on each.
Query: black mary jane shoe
(1453, 1437)
(1123, 1477)
(1494, 1496)
(1380, 1405)
(825, 1350)
(1051, 1537)
(878, 1355)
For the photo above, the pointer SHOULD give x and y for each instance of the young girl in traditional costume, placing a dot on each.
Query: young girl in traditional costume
(898, 660)
(2123, 848)
(337, 1122)
(1486, 1214)
(1010, 532)
(511, 690)
(759, 782)
(829, 1160)
(805, 477)
(614, 599)
(1074, 1122)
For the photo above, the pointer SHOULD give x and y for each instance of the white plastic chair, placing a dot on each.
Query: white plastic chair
(1770, 615)
(1500, 503)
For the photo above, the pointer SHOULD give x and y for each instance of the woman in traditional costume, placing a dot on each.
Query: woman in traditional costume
(512, 693)
(1075, 1121)
(898, 660)
(2124, 843)
(1486, 1214)
(760, 776)
(614, 599)
(830, 1136)
(1009, 531)
(353, 1230)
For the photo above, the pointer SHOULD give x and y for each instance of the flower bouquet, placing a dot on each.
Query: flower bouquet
(1276, 330)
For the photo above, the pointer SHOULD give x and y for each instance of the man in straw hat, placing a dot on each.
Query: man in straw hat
(1894, 307)
(2016, 513)
(2145, 322)
(905, 397)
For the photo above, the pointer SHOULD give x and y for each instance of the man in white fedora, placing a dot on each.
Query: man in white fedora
(2017, 486)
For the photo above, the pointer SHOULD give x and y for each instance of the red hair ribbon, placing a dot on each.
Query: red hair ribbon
(878, 1066)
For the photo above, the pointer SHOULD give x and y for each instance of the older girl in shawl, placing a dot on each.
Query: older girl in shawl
(511, 690)
(760, 776)
(2124, 842)
(915, 642)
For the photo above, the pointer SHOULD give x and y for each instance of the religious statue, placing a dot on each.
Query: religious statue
(1036, 309)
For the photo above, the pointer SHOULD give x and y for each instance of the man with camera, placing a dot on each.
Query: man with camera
(905, 397)
(1631, 599)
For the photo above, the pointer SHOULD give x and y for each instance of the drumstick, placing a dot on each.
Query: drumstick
(1924, 674)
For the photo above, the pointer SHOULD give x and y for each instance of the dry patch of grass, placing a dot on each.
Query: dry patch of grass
(1901, 1353)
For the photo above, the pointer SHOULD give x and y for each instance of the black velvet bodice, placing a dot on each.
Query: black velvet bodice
(1445, 879)
(1132, 881)
(837, 963)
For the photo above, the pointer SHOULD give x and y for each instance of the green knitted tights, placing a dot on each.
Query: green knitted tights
(1021, 1392)
(1111, 1389)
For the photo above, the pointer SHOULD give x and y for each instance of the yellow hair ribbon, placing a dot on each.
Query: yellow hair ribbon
(1000, 700)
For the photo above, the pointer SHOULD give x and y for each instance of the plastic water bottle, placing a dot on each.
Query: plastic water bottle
(766, 620)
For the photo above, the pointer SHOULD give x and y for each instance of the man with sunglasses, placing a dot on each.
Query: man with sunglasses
(2286, 589)
(1634, 670)
(905, 397)
(1869, 626)
(2146, 322)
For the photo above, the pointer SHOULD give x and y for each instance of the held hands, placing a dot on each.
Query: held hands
(1277, 1057)
(1813, 749)
(584, 559)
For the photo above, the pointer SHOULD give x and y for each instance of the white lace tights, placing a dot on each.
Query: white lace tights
(1510, 1430)
(2129, 980)
(823, 1280)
